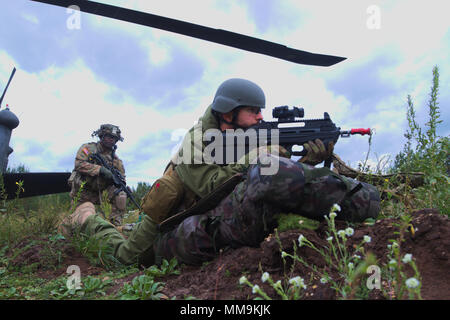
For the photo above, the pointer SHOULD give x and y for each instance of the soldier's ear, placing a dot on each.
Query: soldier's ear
(228, 116)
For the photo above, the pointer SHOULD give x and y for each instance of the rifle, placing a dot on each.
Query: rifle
(302, 131)
(118, 179)
(310, 129)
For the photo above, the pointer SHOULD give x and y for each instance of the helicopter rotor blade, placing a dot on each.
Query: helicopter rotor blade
(35, 183)
(220, 36)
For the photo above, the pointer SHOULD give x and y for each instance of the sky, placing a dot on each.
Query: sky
(76, 72)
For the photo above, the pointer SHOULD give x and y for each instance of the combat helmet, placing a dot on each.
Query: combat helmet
(108, 129)
(236, 92)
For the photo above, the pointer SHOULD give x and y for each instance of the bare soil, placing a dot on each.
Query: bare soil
(219, 279)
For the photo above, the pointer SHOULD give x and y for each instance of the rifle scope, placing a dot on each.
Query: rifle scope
(283, 113)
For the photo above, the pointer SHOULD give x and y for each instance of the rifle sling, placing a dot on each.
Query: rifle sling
(203, 205)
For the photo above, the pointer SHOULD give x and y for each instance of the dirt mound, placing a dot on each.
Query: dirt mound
(219, 279)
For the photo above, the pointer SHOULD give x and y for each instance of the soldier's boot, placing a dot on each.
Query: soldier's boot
(76, 219)
(323, 188)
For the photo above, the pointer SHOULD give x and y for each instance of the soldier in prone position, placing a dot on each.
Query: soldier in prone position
(96, 177)
(243, 217)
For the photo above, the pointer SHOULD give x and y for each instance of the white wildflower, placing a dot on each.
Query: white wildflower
(341, 233)
(256, 289)
(323, 280)
(367, 239)
(283, 254)
(407, 258)
(265, 277)
(301, 240)
(392, 264)
(336, 207)
(298, 282)
(349, 231)
(412, 283)
(329, 239)
(350, 265)
(242, 280)
(357, 256)
(333, 215)
(278, 284)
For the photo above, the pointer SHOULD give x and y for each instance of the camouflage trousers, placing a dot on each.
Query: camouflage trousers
(117, 201)
(246, 216)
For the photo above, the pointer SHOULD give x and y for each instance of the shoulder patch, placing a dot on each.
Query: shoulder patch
(86, 151)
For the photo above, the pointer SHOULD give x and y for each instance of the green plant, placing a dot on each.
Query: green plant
(166, 268)
(93, 285)
(292, 221)
(9, 293)
(142, 287)
(96, 250)
(427, 152)
(77, 197)
(59, 290)
(398, 283)
(105, 205)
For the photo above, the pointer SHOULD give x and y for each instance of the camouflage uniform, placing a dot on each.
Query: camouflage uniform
(88, 171)
(242, 218)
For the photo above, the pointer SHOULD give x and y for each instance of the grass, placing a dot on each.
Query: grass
(31, 223)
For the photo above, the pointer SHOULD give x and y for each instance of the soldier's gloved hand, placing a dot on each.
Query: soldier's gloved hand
(106, 174)
(282, 152)
(317, 152)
